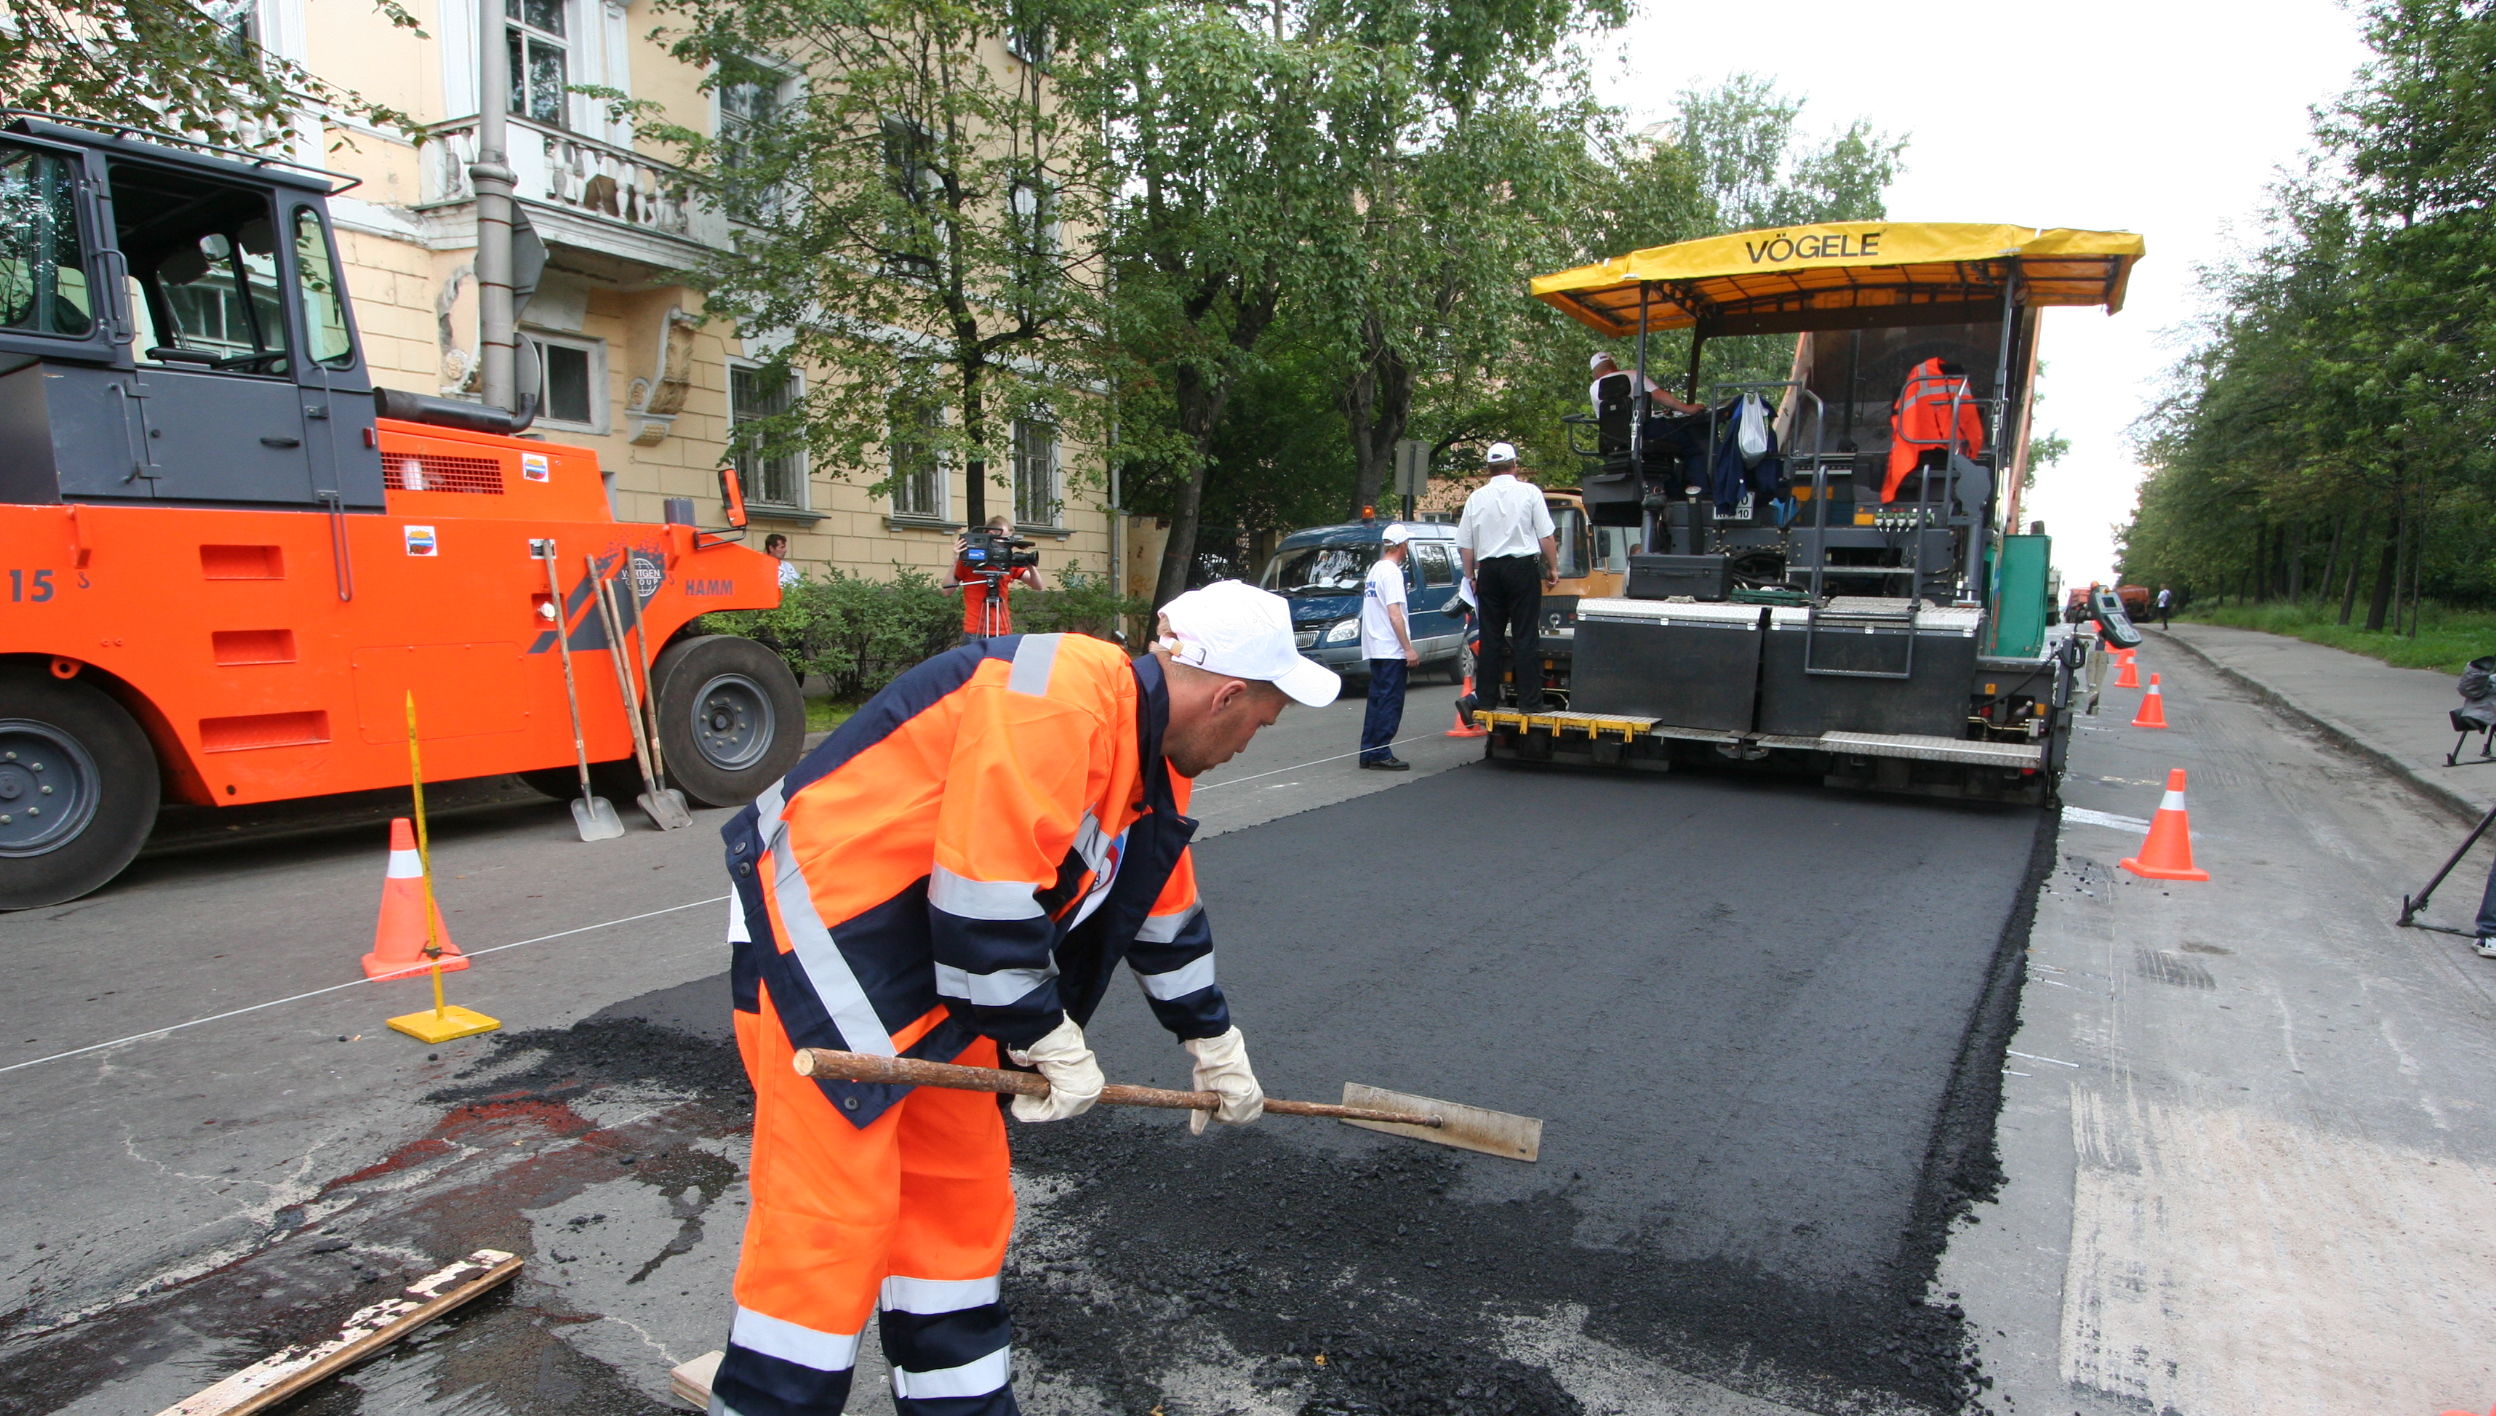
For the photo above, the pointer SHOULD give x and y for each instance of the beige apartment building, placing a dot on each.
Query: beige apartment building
(632, 367)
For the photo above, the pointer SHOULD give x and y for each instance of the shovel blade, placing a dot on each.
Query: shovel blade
(1465, 1127)
(596, 818)
(664, 814)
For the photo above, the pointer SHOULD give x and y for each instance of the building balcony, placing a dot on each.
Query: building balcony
(594, 198)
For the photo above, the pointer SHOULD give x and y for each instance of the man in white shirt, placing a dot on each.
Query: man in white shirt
(1603, 368)
(1505, 538)
(1387, 643)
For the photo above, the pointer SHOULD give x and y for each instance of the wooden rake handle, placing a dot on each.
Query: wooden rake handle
(911, 1072)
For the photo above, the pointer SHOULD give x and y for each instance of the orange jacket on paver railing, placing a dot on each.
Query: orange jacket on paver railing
(971, 855)
(1919, 421)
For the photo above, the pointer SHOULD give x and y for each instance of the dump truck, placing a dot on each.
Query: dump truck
(1825, 582)
(227, 559)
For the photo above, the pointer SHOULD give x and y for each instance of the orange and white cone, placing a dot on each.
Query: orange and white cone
(2168, 853)
(1460, 730)
(399, 934)
(2127, 668)
(2153, 712)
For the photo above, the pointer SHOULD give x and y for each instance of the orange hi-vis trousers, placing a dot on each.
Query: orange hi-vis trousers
(909, 1214)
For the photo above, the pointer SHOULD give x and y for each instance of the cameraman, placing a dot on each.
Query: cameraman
(973, 582)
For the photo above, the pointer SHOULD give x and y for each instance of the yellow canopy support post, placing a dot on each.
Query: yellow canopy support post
(444, 1022)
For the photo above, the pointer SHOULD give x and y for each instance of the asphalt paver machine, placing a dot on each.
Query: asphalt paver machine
(227, 559)
(1848, 604)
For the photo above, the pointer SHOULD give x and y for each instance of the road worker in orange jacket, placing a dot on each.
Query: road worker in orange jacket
(958, 871)
(1921, 419)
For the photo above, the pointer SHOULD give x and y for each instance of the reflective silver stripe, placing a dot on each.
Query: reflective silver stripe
(736, 920)
(937, 1295)
(1166, 928)
(1092, 843)
(720, 1407)
(952, 982)
(977, 1377)
(1005, 986)
(778, 1337)
(981, 899)
(835, 986)
(1181, 981)
(1033, 659)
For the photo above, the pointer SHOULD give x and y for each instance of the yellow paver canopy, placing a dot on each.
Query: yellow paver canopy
(1845, 275)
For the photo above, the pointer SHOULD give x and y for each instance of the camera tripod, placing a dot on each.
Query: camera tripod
(994, 617)
(2411, 906)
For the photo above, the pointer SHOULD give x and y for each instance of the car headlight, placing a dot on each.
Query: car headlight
(1342, 632)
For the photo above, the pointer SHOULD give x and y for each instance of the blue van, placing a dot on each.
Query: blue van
(1321, 570)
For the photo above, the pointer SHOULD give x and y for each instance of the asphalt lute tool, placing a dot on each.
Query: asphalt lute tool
(1423, 1118)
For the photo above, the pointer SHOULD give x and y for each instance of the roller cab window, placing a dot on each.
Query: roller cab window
(43, 271)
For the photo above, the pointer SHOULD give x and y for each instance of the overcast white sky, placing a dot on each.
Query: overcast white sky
(2165, 117)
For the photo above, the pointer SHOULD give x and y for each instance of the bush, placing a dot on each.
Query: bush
(1082, 603)
(856, 635)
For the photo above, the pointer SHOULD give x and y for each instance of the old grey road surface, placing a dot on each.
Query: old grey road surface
(1766, 1023)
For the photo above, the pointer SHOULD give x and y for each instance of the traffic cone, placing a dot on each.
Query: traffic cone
(2127, 668)
(2168, 853)
(1460, 730)
(2153, 712)
(399, 935)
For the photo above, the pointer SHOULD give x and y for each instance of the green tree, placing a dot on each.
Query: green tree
(205, 72)
(913, 200)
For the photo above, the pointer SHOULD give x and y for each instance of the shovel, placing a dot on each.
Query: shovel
(664, 814)
(594, 814)
(1445, 1123)
(650, 709)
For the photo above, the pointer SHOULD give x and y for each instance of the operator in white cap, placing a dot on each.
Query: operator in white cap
(1387, 643)
(955, 875)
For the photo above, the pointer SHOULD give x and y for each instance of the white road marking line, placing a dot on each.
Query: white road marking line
(2057, 1061)
(351, 983)
(2082, 816)
(1321, 760)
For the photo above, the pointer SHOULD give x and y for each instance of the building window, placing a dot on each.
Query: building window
(915, 232)
(538, 59)
(918, 467)
(1035, 217)
(238, 27)
(752, 95)
(572, 382)
(1035, 472)
(756, 394)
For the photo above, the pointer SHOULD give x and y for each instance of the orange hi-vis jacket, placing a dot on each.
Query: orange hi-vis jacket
(1919, 421)
(972, 855)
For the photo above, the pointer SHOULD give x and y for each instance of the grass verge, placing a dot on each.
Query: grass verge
(823, 715)
(2447, 640)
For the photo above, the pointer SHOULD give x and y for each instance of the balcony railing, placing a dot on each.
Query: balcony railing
(584, 175)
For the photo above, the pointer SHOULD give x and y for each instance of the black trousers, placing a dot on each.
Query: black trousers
(1511, 591)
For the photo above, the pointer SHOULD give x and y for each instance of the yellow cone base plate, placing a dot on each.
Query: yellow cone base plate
(430, 1026)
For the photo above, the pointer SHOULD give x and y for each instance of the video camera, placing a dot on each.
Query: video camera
(989, 553)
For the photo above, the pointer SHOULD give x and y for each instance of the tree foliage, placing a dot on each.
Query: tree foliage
(206, 74)
(2333, 428)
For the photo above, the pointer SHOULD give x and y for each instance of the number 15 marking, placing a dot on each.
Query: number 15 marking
(40, 582)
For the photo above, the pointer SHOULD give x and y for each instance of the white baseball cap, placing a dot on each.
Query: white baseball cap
(1394, 535)
(1598, 360)
(1239, 631)
(1499, 453)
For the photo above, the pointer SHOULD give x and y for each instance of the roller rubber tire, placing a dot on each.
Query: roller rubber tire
(99, 764)
(731, 721)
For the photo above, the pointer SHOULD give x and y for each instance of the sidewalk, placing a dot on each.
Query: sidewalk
(2394, 716)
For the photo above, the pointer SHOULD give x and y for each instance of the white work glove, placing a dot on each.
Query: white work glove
(1074, 1075)
(1222, 1066)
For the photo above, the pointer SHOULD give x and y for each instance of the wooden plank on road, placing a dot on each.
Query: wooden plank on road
(282, 1374)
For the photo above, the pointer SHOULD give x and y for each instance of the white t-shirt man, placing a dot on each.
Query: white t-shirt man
(1383, 590)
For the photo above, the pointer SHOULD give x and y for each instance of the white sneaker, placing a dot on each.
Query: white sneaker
(2487, 947)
